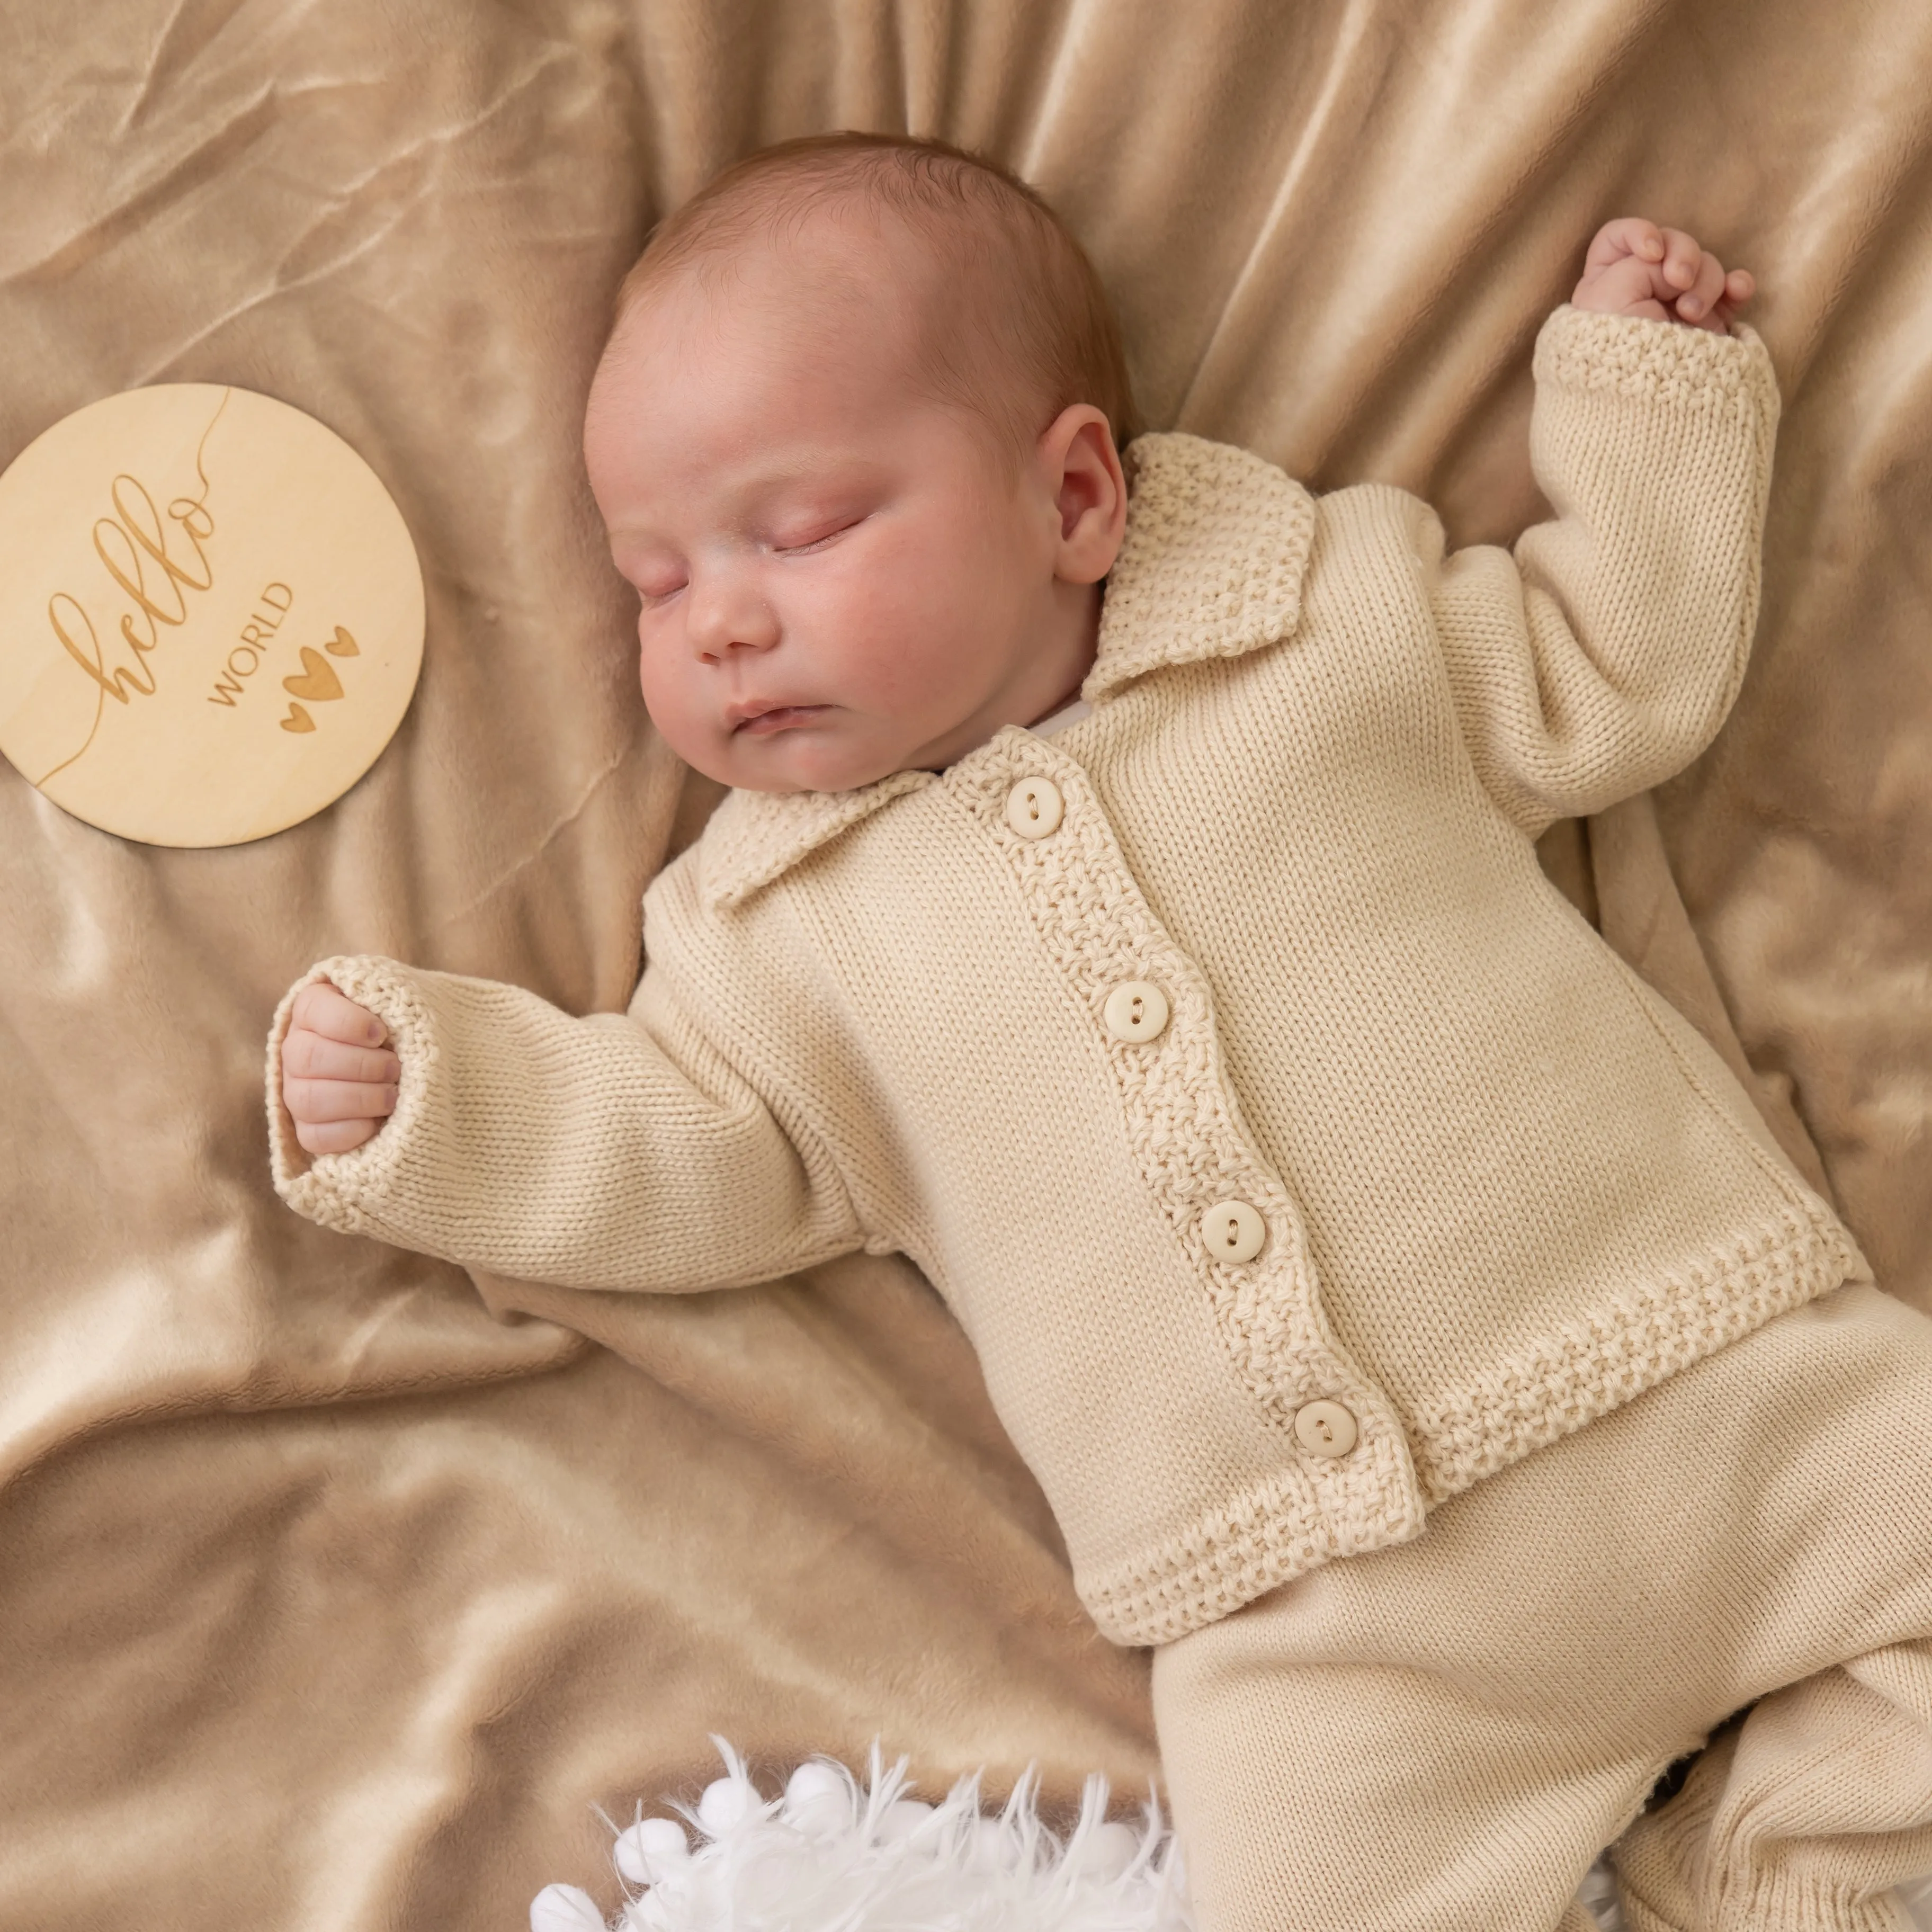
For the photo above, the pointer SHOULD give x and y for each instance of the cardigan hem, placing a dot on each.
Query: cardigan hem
(1277, 1531)
(1274, 1530)
(1597, 1362)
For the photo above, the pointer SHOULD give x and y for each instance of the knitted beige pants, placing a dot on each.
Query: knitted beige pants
(1441, 1738)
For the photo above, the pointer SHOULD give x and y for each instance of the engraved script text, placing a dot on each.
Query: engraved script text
(154, 563)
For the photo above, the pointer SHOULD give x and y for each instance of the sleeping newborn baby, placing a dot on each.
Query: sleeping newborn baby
(1126, 907)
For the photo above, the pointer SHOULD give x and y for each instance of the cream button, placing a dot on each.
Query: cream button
(1324, 1428)
(1136, 1009)
(1034, 808)
(1234, 1231)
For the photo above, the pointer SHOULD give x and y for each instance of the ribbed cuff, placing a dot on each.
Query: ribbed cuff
(1667, 362)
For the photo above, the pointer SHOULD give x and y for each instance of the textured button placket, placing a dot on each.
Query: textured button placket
(1234, 1218)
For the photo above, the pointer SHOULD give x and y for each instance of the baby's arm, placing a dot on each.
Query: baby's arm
(620, 1150)
(1603, 654)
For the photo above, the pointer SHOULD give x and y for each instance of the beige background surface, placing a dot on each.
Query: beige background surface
(332, 1596)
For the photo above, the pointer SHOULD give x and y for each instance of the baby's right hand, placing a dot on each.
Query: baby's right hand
(337, 1083)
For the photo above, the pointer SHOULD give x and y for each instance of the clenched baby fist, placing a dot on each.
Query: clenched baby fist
(1635, 268)
(338, 1079)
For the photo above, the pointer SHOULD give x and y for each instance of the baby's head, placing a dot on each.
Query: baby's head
(854, 439)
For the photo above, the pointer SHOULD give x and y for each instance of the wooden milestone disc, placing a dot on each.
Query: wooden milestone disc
(211, 615)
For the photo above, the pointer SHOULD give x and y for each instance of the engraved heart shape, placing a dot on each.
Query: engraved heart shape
(298, 720)
(318, 679)
(342, 645)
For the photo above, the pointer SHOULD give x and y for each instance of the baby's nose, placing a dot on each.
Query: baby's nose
(726, 617)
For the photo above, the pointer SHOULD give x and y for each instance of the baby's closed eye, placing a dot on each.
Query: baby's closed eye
(793, 539)
(654, 571)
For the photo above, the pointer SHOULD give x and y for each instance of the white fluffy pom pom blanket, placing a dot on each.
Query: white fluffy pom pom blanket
(832, 1855)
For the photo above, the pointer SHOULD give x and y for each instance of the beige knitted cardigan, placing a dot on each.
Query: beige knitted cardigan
(1501, 1186)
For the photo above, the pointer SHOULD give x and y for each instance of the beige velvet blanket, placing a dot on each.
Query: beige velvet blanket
(336, 1587)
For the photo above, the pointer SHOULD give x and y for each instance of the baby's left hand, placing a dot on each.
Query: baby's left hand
(1635, 268)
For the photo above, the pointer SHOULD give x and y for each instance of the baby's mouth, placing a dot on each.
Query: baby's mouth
(779, 718)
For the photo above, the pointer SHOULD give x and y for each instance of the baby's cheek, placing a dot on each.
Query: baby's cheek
(671, 703)
(892, 637)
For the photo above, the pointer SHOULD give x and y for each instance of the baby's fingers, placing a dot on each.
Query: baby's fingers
(1627, 286)
(335, 1137)
(1698, 301)
(1629, 235)
(315, 1055)
(1740, 285)
(1683, 261)
(321, 1008)
(319, 1102)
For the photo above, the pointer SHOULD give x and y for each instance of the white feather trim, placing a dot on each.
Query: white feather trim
(832, 1855)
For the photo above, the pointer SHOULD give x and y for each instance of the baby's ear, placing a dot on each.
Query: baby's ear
(1083, 469)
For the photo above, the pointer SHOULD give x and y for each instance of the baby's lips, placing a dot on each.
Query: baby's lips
(762, 722)
(742, 710)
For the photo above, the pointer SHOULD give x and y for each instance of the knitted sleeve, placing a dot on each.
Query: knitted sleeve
(621, 1150)
(1603, 655)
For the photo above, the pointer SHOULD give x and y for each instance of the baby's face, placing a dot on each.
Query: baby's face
(839, 577)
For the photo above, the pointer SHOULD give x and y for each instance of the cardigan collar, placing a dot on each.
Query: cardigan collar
(1210, 566)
